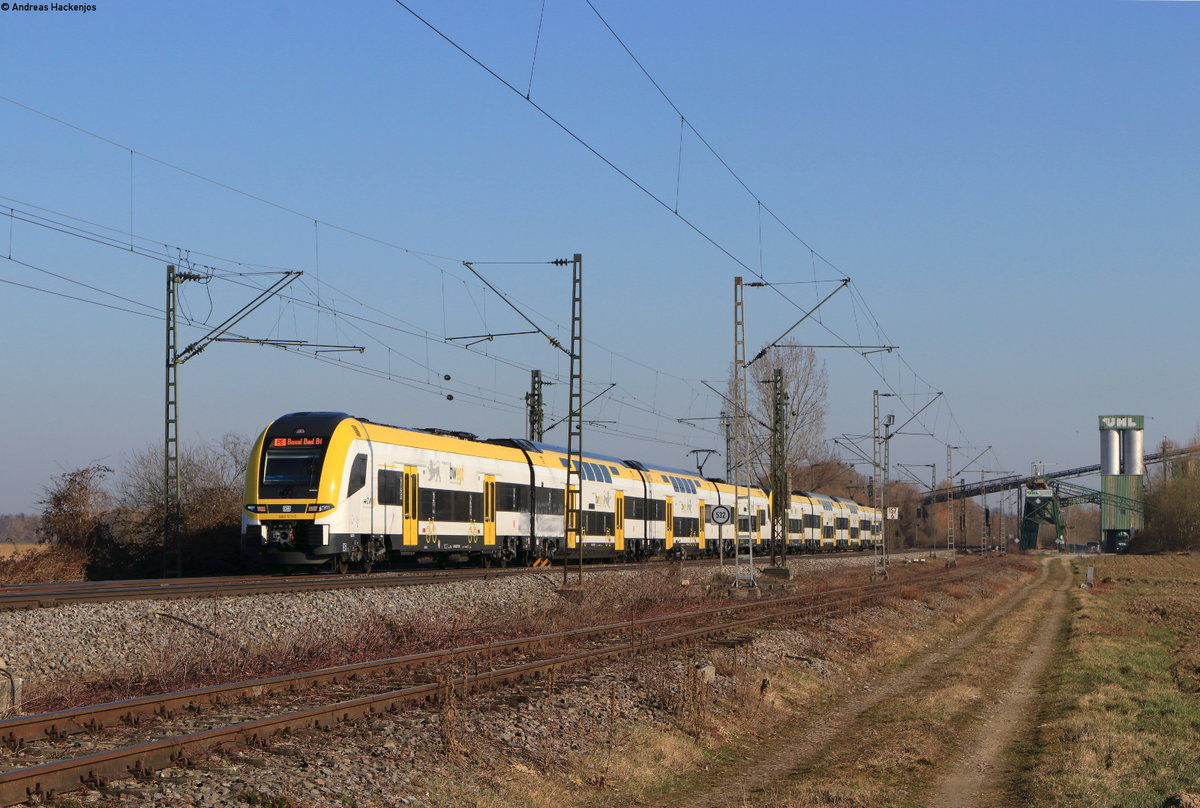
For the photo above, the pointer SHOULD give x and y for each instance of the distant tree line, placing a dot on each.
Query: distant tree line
(19, 528)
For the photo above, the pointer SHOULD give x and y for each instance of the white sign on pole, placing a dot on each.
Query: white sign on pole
(893, 513)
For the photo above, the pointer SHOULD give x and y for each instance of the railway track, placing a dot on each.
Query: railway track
(169, 729)
(39, 596)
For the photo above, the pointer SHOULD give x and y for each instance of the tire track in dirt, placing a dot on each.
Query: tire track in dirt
(798, 747)
(978, 776)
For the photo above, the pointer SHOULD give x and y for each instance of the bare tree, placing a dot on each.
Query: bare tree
(75, 508)
(211, 478)
(807, 385)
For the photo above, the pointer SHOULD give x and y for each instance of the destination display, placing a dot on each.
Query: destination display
(297, 441)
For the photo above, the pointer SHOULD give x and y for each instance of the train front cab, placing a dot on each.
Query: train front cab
(292, 496)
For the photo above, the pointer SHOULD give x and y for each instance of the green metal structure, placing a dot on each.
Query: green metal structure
(1045, 501)
(1041, 508)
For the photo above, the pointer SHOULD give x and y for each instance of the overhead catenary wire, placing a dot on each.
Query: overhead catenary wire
(217, 183)
(425, 256)
(888, 383)
(117, 240)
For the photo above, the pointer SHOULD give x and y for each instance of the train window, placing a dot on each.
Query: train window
(390, 486)
(635, 508)
(607, 476)
(358, 474)
(512, 497)
(467, 507)
(597, 523)
(548, 501)
(427, 504)
(841, 523)
(686, 527)
(292, 467)
(450, 506)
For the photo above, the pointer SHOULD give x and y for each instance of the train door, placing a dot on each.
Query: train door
(389, 498)
(619, 521)
(702, 510)
(669, 523)
(411, 494)
(571, 524)
(489, 510)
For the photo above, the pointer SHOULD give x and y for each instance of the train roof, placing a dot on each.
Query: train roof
(535, 446)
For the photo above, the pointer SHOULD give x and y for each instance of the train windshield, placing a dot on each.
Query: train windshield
(291, 472)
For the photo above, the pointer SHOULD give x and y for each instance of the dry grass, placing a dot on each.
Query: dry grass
(40, 563)
(11, 548)
(1118, 720)
(892, 755)
(710, 730)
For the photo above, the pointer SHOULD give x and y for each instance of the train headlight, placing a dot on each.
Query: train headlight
(319, 508)
(256, 508)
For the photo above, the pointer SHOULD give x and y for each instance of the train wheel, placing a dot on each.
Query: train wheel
(341, 564)
(368, 564)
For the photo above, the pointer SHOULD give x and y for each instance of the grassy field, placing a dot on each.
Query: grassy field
(1120, 720)
(8, 548)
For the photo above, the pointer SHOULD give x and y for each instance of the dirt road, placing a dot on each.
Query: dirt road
(933, 733)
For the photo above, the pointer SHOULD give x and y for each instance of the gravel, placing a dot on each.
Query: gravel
(86, 641)
(382, 760)
(97, 639)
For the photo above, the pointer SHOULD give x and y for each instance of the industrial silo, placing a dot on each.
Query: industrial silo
(1122, 470)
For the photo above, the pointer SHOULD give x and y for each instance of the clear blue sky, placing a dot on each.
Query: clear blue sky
(1012, 186)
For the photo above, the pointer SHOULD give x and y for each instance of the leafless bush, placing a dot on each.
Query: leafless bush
(75, 507)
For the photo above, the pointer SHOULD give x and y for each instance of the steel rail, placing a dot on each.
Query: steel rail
(37, 598)
(97, 768)
(47, 595)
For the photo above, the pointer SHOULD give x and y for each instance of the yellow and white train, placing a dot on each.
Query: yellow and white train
(327, 488)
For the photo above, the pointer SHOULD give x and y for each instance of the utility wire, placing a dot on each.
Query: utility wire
(424, 256)
(219, 184)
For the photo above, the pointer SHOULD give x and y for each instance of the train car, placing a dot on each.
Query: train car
(870, 526)
(804, 523)
(328, 489)
(325, 488)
